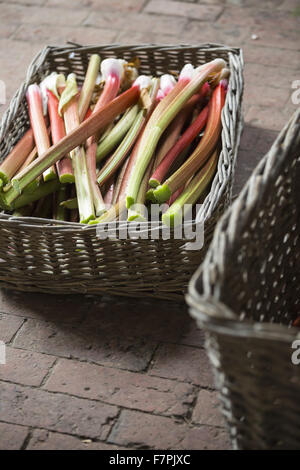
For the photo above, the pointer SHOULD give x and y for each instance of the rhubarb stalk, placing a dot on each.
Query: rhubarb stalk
(16, 157)
(119, 181)
(161, 118)
(38, 125)
(111, 70)
(58, 132)
(78, 156)
(32, 156)
(138, 211)
(88, 86)
(59, 212)
(120, 154)
(112, 139)
(41, 191)
(185, 140)
(108, 197)
(202, 152)
(90, 126)
(190, 195)
(111, 214)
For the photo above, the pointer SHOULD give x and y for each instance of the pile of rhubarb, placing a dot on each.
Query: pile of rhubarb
(116, 143)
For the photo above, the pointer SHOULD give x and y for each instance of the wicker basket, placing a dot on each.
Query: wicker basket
(43, 255)
(246, 296)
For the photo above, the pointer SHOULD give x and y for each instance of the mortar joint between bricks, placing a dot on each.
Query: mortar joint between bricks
(149, 366)
(27, 440)
(10, 343)
(49, 373)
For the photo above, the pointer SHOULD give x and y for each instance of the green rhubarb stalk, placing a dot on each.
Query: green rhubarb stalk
(70, 203)
(130, 166)
(108, 129)
(113, 138)
(87, 128)
(138, 213)
(122, 151)
(82, 183)
(78, 156)
(169, 139)
(114, 162)
(59, 210)
(91, 168)
(43, 190)
(190, 195)
(112, 214)
(155, 128)
(73, 213)
(88, 85)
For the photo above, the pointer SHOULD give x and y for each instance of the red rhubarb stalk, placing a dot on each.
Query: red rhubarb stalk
(185, 140)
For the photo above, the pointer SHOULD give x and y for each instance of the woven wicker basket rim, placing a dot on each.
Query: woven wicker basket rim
(214, 314)
(33, 222)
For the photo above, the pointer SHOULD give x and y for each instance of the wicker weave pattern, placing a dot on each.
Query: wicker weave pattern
(43, 255)
(247, 294)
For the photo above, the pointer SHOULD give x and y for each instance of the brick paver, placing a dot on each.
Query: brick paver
(123, 388)
(183, 363)
(158, 432)
(55, 411)
(86, 373)
(25, 367)
(84, 342)
(9, 326)
(12, 436)
(207, 410)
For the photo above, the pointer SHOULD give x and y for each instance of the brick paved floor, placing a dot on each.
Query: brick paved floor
(104, 373)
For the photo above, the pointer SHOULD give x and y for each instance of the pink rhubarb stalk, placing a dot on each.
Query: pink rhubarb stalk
(108, 197)
(167, 83)
(16, 157)
(111, 70)
(58, 132)
(185, 140)
(38, 125)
